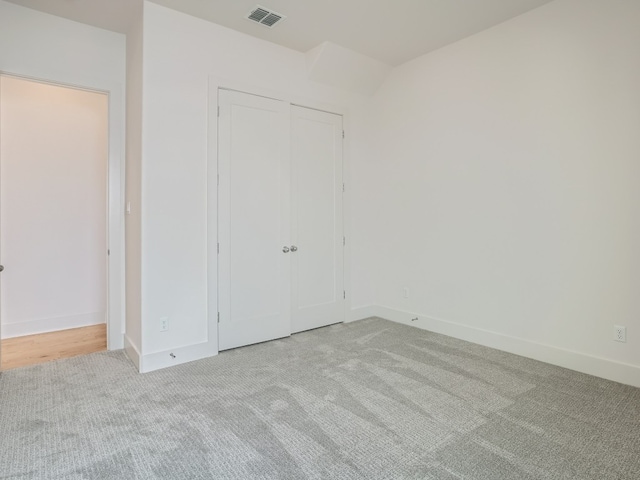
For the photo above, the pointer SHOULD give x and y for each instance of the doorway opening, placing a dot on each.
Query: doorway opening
(54, 182)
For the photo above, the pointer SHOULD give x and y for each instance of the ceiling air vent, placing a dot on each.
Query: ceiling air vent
(265, 16)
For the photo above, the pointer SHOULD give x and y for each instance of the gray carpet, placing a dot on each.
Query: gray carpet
(367, 400)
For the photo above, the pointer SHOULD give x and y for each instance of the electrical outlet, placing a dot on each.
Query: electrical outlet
(620, 333)
(405, 292)
(164, 324)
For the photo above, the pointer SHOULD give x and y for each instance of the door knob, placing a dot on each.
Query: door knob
(285, 249)
(1, 268)
(294, 248)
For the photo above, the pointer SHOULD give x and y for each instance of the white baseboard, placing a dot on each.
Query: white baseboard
(580, 362)
(176, 356)
(54, 324)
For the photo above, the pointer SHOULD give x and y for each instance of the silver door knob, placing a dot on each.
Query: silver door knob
(294, 248)
(1, 268)
(285, 249)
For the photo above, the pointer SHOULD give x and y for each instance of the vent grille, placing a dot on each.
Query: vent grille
(258, 14)
(265, 16)
(271, 20)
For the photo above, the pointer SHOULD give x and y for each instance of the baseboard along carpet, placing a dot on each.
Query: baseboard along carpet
(365, 400)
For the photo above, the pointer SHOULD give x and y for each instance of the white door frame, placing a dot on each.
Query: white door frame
(115, 202)
(216, 83)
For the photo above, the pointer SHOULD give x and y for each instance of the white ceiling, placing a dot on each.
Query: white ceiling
(392, 31)
(114, 15)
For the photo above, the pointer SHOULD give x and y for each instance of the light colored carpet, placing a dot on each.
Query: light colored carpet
(367, 400)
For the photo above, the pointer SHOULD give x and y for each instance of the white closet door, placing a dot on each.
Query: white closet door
(318, 262)
(254, 222)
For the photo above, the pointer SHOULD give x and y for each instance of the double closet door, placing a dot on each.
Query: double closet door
(280, 224)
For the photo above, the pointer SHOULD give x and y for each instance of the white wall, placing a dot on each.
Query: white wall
(181, 55)
(42, 46)
(507, 187)
(53, 207)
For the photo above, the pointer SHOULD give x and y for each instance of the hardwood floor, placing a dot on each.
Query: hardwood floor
(44, 347)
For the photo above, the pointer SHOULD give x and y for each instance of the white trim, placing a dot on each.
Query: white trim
(212, 217)
(116, 258)
(51, 324)
(114, 91)
(580, 362)
(132, 352)
(176, 356)
(216, 83)
(346, 216)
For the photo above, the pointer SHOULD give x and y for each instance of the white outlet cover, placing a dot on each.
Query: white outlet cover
(620, 333)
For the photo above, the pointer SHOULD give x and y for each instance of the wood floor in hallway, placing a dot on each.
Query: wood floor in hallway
(45, 347)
